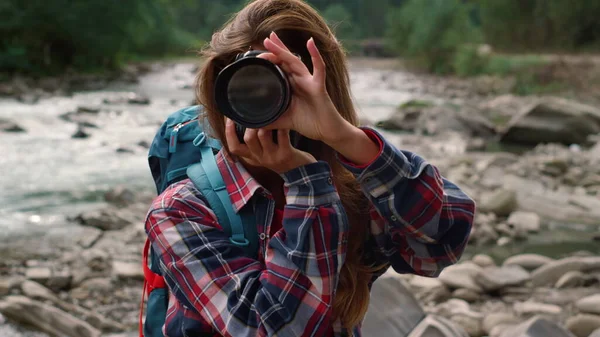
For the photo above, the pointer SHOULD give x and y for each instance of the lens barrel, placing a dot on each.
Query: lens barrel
(253, 92)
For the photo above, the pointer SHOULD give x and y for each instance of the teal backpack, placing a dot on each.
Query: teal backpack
(183, 149)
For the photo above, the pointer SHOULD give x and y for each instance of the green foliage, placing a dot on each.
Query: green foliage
(431, 31)
(540, 24)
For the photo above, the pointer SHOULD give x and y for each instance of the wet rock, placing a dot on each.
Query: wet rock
(537, 327)
(483, 260)
(39, 274)
(10, 126)
(461, 276)
(572, 279)
(535, 308)
(106, 219)
(551, 272)
(495, 319)
(93, 263)
(472, 325)
(583, 325)
(88, 109)
(589, 305)
(80, 133)
(28, 98)
(494, 278)
(45, 317)
(525, 221)
(120, 196)
(466, 295)
(8, 283)
(596, 333)
(89, 237)
(501, 202)
(37, 291)
(528, 261)
(124, 150)
(128, 270)
(144, 144)
(553, 121)
(406, 116)
(504, 241)
(139, 100)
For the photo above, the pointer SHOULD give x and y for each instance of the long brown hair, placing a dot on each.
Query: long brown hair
(295, 22)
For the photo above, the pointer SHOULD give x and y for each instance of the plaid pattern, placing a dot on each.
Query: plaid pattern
(420, 224)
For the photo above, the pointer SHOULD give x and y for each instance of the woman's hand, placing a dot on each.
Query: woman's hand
(311, 111)
(260, 150)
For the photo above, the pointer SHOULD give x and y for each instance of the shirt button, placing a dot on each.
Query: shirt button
(330, 181)
(262, 236)
(393, 218)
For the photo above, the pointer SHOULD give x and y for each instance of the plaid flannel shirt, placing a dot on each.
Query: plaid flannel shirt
(420, 223)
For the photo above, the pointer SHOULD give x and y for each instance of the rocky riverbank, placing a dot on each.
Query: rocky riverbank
(531, 163)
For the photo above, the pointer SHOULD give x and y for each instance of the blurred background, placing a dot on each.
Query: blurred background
(501, 95)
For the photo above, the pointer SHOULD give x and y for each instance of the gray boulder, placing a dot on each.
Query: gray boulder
(553, 121)
(537, 327)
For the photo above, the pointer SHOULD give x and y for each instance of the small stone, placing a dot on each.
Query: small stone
(589, 305)
(504, 241)
(572, 279)
(37, 291)
(501, 202)
(534, 308)
(528, 261)
(128, 270)
(498, 318)
(88, 109)
(7, 284)
(551, 272)
(39, 274)
(472, 325)
(139, 100)
(483, 260)
(525, 221)
(583, 325)
(536, 327)
(80, 134)
(425, 282)
(120, 196)
(596, 333)
(124, 150)
(494, 278)
(461, 276)
(467, 295)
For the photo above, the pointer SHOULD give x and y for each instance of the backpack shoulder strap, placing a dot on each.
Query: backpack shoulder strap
(207, 178)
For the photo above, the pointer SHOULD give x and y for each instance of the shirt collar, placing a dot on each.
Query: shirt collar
(240, 185)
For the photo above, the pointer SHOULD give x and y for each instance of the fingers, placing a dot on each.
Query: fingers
(283, 139)
(317, 61)
(233, 143)
(287, 58)
(251, 139)
(266, 141)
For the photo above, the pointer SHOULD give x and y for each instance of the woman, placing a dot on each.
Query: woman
(331, 218)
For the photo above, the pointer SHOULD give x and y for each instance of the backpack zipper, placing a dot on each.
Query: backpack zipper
(174, 132)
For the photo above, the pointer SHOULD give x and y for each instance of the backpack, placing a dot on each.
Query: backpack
(181, 149)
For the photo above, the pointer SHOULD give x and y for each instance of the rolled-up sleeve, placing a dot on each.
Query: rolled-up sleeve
(421, 221)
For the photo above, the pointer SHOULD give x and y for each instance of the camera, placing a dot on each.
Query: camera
(253, 92)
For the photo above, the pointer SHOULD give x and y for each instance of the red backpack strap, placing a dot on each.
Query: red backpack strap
(151, 281)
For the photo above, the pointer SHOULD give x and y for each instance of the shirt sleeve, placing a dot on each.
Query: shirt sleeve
(421, 222)
(290, 294)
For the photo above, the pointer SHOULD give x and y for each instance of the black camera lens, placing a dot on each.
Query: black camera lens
(255, 93)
